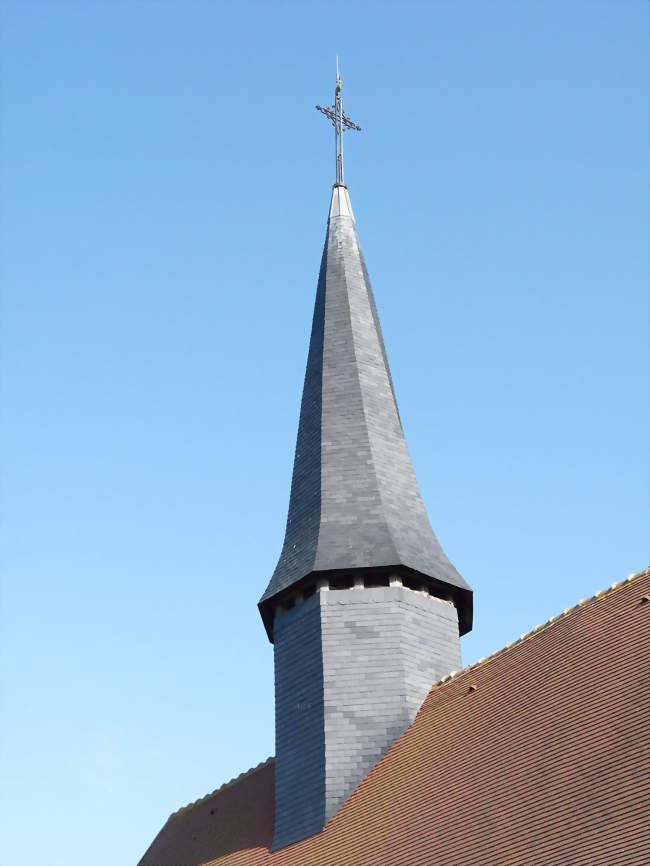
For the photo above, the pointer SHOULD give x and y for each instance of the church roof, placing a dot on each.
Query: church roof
(355, 504)
(535, 755)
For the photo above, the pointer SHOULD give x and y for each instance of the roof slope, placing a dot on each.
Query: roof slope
(234, 819)
(534, 757)
(355, 502)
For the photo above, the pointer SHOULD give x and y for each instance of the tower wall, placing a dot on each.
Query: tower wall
(299, 725)
(352, 668)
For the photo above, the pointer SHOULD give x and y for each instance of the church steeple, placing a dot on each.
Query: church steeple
(364, 609)
(355, 507)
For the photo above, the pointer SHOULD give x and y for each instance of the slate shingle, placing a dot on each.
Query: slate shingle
(355, 504)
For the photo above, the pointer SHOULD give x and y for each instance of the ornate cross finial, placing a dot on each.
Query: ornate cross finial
(339, 122)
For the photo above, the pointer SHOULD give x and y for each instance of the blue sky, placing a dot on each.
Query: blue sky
(165, 183)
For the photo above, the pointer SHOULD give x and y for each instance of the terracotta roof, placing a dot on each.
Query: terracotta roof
(537, 755)
(236, 818)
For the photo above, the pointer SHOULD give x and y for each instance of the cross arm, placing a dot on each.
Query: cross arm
(330, 113)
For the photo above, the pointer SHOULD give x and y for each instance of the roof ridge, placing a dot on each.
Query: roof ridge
(597, 596)
(228, 784)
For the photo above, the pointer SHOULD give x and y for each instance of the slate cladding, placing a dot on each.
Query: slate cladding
(299, 723)
(382, 650)
(352, 668)
(355, 505)
(535, 756)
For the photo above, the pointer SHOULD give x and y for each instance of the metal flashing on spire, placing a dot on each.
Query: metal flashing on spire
(340, 122)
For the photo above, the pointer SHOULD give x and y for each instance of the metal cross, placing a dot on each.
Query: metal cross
(339, 122)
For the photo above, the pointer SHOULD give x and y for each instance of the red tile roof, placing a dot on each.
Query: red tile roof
(537, 755)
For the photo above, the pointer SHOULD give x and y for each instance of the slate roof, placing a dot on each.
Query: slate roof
(535, 756)
(355, 502)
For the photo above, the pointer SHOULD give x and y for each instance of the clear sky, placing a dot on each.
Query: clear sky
(165, 184)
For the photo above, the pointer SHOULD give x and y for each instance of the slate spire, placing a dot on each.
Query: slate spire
(355, 509)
